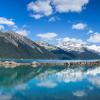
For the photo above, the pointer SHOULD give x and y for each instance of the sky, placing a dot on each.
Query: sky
(53, 20)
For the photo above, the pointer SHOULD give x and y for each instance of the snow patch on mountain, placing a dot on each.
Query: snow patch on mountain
(77, 45)
(47, 45)
(71, 46)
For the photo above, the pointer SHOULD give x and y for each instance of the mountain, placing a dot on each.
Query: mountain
(13, 45)
(79, 50)
(60, 53)
(71, 46)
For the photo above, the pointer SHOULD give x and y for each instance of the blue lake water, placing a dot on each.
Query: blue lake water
(50, 61)
(50, 83)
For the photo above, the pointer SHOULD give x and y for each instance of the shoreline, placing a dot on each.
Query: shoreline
(66, 63)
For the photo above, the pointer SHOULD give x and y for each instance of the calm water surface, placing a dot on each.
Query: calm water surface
(50, 83)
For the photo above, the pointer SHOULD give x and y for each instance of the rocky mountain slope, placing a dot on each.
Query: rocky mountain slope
(13, 45)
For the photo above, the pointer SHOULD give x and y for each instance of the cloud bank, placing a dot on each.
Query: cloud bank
(95, 38)
(42, 8)
(47, 36)
(79, 26)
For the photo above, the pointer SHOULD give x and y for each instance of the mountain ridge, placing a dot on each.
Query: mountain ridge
(74, 49)
(13, 45)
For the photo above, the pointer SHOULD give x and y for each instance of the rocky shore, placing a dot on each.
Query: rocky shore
(76, 63)
(13, 64)
(7, 64)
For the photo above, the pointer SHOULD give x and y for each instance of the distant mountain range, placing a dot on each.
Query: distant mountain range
(13, 45)
(71, 50)
(80, 50)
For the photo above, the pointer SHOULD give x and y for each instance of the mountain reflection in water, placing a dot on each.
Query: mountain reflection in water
(50, 83)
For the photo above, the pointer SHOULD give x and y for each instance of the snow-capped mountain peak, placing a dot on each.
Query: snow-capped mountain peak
(47, 45)
(71, 46)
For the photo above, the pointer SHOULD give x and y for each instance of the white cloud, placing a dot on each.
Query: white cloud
(13, 27)
(1, 27)
(48, 36)
(5, 21)
(64, 6)
(79, 26)
(95, 38)
(90, 31)
(53, 19)
(95, 81)
(94, 48)
(79, 93)
(37, 16)
(23, 32)
(41, 8)
(47, 84)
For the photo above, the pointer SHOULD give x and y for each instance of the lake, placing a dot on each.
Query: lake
(50, 83)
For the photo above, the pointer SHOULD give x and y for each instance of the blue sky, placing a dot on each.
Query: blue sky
(52, 19)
